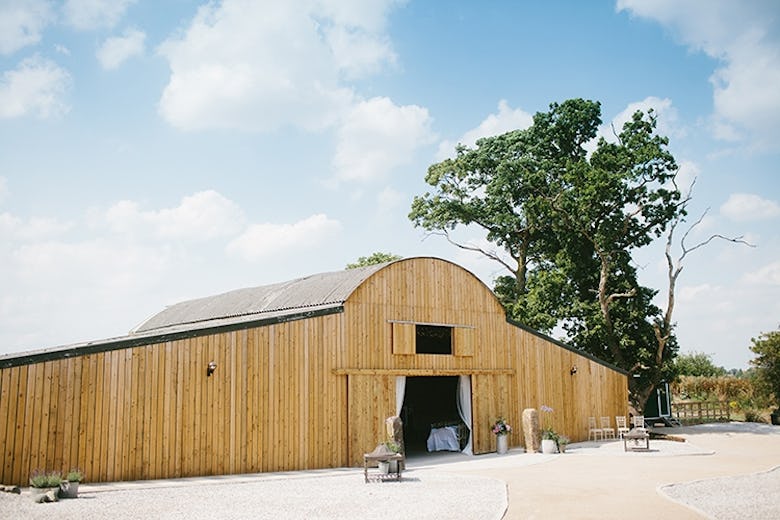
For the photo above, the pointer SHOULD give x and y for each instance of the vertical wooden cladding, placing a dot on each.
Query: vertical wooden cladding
(151, 411)
(380, 336)
(310, 393)
(544, 378)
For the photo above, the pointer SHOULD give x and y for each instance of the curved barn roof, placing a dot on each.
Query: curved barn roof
(310, 293)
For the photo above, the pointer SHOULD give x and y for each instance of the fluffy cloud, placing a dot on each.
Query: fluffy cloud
(263, 240)
(767, 275)
(260, 66)
(377, 136)
(202, 216)
(743, 37)
(747, 206)
(21, 23)
(116, 50)
(666, 117)
(37, 86)
(505, 120)
(93, 14)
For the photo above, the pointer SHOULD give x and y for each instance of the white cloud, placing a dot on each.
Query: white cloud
(263, 240)
(21, 23)
(742, 36)
(505, 120)
(117, 49)
(34, 228)
(389, 199)
(666, 117)
(688, 172)
(767, 275)
(94, 14)
(260, 66)
(747, 206)
(378, 136)
(37, 86)
(704, 293)
(202, 216)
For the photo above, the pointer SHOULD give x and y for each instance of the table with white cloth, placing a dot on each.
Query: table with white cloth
(444, 439)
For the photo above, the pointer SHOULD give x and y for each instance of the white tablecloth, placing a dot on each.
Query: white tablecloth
(444, 439)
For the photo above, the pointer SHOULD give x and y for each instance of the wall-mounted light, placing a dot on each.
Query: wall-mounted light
(211, 368)
(573, 370)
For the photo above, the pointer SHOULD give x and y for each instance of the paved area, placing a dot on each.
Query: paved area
(592, 480)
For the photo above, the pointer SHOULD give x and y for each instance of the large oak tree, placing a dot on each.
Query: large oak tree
(565, 221)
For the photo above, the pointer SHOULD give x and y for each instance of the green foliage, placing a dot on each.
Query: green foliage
(375, 258)
(697, 364)
(74, 475)
(42, 479)
(565, 224)
(767, 362)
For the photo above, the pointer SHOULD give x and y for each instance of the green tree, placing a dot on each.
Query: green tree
(374, 258)
(767, 362)
(697, 364)
(565, 223)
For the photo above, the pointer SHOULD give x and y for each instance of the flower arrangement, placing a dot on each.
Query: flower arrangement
(74, 475)
(393, 446)
(548, 432)
(501, 427)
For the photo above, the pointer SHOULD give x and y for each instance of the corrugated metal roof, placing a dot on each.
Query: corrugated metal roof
(316, 292)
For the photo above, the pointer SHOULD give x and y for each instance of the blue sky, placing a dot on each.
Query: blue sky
(152, 152)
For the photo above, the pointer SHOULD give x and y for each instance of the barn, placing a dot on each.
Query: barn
(296, 375)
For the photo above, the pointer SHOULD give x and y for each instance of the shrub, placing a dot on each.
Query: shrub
(754, 416)
(41, 479)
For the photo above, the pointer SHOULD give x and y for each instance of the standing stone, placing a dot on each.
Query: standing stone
(531, 430)
(394, 427)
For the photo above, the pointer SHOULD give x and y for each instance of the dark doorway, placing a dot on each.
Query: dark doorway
(428, 401)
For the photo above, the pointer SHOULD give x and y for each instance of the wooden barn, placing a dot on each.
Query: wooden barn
(296, 375)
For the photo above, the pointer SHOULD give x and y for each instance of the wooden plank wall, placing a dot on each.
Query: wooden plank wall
(311, 393)
(425, 290)
(151, 412)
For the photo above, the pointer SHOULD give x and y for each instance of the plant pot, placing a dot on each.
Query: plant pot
(562, 448)
(548, 446)
(502, 444)
(393, 467)
(69, 489)
(384, 467)
(775, 416)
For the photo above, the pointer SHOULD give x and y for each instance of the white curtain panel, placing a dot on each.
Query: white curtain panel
(400, 389)
(464, 407)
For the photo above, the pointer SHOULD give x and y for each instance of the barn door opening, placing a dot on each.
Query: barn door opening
(431, 415)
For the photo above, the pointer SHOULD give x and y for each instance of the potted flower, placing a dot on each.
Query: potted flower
(501, 429)
(395, 448)
(549, 437)
(45, 487)
(69, 488)
(563, 441)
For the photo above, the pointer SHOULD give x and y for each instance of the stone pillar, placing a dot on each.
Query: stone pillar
(394, 428)
(531, 431)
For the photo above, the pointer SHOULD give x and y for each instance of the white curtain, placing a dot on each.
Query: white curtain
(464, 407)
(400, 390)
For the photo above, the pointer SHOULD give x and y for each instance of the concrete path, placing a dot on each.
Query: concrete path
(600, 480)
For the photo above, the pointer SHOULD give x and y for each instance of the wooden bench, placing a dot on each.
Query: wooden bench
(636, 436)
(382, 457)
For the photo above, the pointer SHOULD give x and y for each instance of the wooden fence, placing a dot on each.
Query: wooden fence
(701, 411)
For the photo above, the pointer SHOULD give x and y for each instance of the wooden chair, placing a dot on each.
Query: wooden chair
(620, 420)
(607, 430)
(594, 430)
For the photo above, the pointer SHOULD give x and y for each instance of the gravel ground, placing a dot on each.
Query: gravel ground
(745, 496)
(426, 495)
